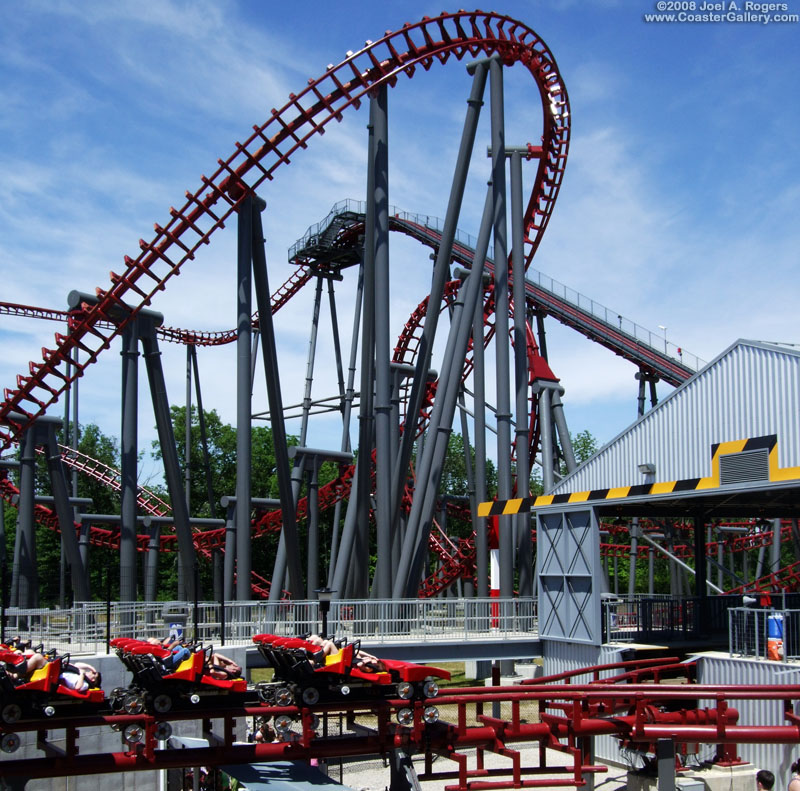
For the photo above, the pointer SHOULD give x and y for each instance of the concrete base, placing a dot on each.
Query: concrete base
(478, 669)
(715, 778)
(481, 670)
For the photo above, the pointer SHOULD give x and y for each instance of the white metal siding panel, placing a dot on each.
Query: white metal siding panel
(750, 391)
(719, 669)
(560, 657)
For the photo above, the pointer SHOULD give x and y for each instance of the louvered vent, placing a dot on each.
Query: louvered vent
(750, 465)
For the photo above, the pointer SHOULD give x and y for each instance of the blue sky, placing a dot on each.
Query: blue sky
(678, 208)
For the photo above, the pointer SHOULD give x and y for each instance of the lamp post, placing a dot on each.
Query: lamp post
(324, 596)
(664, 330)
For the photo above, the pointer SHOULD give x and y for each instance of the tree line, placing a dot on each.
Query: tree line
(212, 475)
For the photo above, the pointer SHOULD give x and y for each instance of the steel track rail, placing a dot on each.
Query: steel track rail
(273, 144)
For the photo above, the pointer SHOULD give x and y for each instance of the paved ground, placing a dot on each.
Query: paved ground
(375, 776)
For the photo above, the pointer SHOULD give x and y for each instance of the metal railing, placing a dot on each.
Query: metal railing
(764, 633)
(654, 618)
(86, 627)
(610, 317)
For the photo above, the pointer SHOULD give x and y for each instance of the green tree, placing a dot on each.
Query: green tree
(584, 446)
(212, 475)
(221, 459)
(93, 443)
(456, 483)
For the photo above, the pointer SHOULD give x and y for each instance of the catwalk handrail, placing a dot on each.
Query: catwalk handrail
(612, 318)
(87, 626)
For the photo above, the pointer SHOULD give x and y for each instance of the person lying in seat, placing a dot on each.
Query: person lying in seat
(220, 666)
(77, 676)
(177, 651)
(361, 660)
(216, 665)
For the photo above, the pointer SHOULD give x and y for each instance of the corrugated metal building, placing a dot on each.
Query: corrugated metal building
(735, 422)
(725, 444)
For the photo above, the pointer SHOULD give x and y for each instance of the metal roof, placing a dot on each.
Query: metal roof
(726, 441)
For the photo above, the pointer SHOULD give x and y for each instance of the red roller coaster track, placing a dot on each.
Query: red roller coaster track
(272, 144)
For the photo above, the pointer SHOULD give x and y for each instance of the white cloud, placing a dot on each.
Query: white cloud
(663, 224)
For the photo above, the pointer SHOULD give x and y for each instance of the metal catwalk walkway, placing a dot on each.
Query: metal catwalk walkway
(332, 240)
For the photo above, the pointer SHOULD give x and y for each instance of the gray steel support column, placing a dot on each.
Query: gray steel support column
(546, 435)
(254, 359)
(653, 394)
(25, 572)
(347, 403)
(229, 561)
(83, 543)
(3, 568)
(357, 583)
(429, 465)
(347, 407)
(504, 487)
(399, 371)
(635, 531)
(469, 587)
(278, 582)
(524, 542)
(229, 504)
(275, 400)
(69, 538)
(541, 334)
(279, 568)
(244, 337)
(562, 430)
(217, 578)
(69, 436)
(201, 421)
(345, 446)
(14, 597)
(639, 376)
(169, 453)
(151, 562)
(312, 574)
(665, 757)
(441, 272)
(74, 445)
(775, 554)
(383, 406)
(700, 565)
(761, 554)
(128, 463)
(345, 553)
(187, 432)
(479, 400)
(310, 359)
(337, 345)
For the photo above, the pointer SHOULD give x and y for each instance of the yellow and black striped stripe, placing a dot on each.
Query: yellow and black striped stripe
(768, 442)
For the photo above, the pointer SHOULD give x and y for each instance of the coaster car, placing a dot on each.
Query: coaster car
(166, 678)
(25, 694)
(305, 673)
